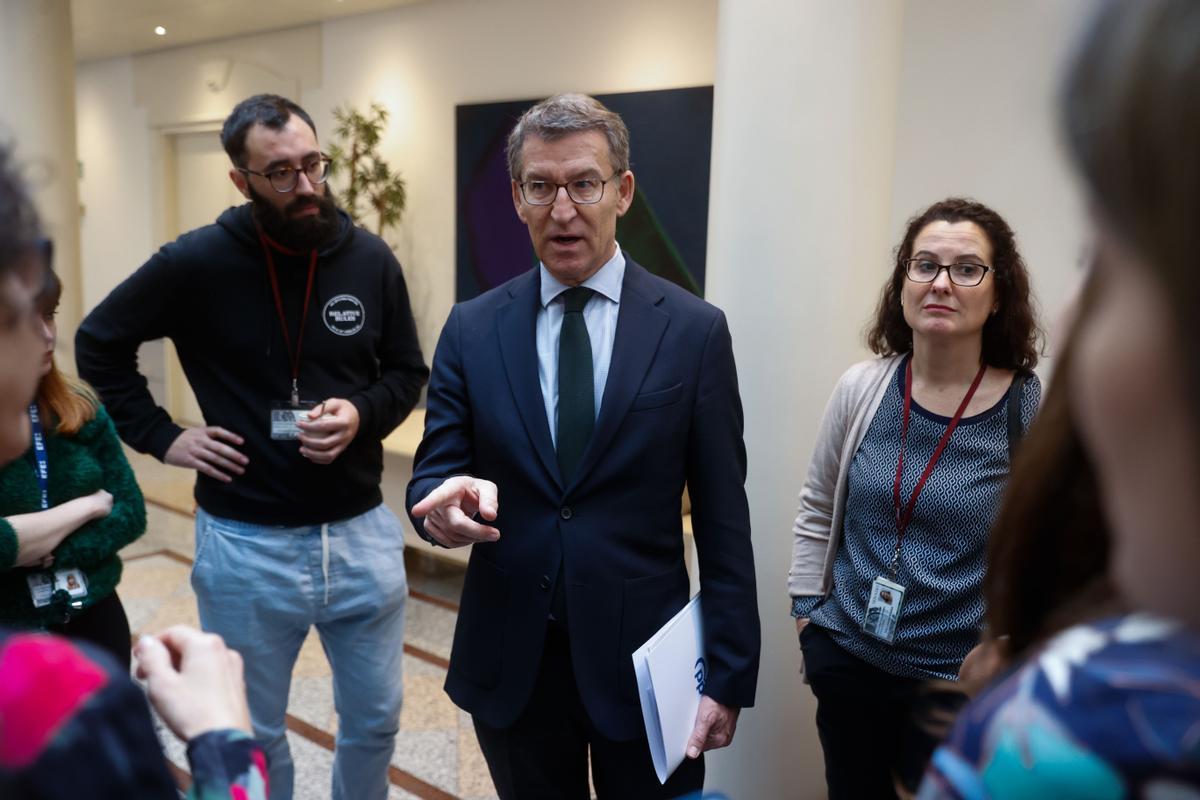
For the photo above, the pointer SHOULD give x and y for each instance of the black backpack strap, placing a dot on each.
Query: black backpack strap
(1015, 393)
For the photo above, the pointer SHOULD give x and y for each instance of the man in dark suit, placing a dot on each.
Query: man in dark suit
(567, 410)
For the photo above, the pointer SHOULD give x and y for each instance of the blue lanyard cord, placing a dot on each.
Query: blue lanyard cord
(42, 468)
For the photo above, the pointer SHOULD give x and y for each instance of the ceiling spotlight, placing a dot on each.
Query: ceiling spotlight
(160, 30)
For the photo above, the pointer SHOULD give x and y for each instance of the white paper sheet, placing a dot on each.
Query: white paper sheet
(671, 670)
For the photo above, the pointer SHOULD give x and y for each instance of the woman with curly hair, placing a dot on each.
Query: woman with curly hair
(906, 475)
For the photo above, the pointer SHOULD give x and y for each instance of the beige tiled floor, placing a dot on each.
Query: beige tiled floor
(436, 745)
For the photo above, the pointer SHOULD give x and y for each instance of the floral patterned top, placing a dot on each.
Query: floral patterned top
(72, 724)
(1104, 710)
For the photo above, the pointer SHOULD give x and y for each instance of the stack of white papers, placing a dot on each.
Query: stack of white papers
(671, 670)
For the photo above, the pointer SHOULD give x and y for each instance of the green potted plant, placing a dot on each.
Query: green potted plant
(372, 186)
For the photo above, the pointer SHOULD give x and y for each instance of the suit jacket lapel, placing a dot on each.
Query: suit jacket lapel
(640, 327)
(516, 328)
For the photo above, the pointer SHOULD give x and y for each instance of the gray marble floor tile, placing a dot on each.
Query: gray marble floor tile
(431, 756)
(429, 627)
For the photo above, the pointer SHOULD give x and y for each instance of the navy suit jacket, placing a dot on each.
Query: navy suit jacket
(670, 416)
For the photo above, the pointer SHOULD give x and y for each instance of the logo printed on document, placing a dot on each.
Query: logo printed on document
(344, 315)
(701, 675)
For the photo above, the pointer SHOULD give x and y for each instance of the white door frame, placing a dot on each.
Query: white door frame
(179, 394)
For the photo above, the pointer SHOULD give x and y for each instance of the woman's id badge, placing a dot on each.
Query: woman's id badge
(883, 609)
(42, 585)
(285, 415)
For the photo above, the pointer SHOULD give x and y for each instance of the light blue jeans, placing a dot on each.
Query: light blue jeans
(262, 587)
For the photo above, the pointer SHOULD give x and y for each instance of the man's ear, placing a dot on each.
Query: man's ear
(239, 180)
(517, 204)
(625, 193)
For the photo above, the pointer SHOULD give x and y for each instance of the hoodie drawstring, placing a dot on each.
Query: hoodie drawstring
(325, 558)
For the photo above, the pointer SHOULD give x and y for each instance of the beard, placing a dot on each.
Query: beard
(298, 233)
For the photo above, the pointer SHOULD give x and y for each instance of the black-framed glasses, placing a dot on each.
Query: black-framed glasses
(284, 179)
(963, 273)
(584, 191)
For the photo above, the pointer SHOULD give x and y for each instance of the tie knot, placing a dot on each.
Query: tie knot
(575, 299)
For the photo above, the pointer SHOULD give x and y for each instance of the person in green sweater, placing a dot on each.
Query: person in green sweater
(66, 508)
(69, 715)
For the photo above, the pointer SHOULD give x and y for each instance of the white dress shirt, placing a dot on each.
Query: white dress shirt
(600, 316)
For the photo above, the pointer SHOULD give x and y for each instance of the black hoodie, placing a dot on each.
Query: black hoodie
(209, 292)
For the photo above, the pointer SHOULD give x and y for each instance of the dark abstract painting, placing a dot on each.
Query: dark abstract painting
(666, 228)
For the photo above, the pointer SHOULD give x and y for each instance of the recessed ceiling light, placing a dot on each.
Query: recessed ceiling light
(160, 30)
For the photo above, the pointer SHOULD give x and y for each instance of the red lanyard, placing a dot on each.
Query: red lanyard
(903, 517)
(293, 355)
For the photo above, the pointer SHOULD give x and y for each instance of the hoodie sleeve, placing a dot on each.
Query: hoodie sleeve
(138, 310)
(402, 371)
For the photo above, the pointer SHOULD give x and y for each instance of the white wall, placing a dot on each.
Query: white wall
(115, 187)
(37, 117)
(977, 117)
(802, 170)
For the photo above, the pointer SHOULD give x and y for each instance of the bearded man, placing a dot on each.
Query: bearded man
(294, 329)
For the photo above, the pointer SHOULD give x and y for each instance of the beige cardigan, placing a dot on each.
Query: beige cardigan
(818, 526)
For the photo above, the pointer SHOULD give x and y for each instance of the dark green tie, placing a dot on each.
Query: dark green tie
(576, 387)
(576, 406)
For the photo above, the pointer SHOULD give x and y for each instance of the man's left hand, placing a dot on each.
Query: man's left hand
(330, 427)
(715, 724)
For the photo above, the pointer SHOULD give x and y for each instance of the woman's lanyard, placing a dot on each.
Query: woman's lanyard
(293, 354)
(49, 592)
(904, 511)
(41, 467)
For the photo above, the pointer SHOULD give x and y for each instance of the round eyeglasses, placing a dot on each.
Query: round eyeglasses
(284, 179)
(584, 191)
(923, 270)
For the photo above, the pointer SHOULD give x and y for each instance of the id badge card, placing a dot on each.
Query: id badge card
(883, 609)
(285, 415)
(42, 585)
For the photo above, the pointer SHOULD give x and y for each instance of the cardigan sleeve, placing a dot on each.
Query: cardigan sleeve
(813, 528)
(101, 538)
(811, 531)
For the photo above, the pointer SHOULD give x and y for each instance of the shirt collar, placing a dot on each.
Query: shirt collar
(606, 281)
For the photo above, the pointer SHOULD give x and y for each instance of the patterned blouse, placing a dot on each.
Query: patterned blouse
(1105, 710)
(944, 549)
